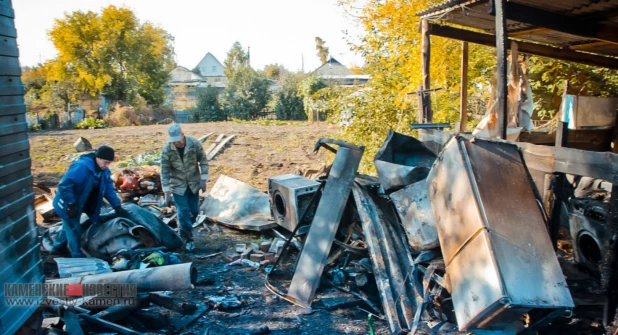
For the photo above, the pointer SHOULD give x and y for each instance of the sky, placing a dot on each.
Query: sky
(277, 31)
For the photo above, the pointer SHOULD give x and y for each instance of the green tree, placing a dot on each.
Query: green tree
(289, 103)
(112, 52)
(320, 46)
(247, 94)
(547, 77)
(208, 106)
(275, 72)
(236, 58)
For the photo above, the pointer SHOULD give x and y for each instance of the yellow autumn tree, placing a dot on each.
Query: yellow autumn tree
(112, 52)
(391, 46)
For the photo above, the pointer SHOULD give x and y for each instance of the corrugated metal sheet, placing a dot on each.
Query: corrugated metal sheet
(475, 14)
(19, 249)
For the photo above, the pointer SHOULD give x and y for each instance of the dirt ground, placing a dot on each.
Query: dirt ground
(256, 153)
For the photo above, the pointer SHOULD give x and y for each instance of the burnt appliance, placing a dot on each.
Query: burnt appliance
(499, 258)
(290, 195)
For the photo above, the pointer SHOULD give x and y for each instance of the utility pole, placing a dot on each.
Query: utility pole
(249, 56)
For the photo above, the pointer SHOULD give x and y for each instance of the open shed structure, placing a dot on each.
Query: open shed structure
(582, 31)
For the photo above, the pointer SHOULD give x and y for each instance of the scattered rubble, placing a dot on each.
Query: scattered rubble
(441, 242)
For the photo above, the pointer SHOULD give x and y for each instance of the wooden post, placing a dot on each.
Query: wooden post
(501, 50)
(421, 105)
(609, 265)
(426, 60)
(463, 111)
(556, 191)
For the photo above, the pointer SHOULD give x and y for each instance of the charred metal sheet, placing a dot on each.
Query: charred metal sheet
(496, 248)
(402, 160)
(434, 139)
(416, 215)
(19, 247)
(162, 278)
(238, 205)
(77, 267)
(324, 226)
(391, 258)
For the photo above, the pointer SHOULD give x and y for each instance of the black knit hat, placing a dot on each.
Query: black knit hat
(105, 152)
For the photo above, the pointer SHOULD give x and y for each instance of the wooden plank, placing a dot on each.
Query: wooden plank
(8, 47)
(8, 129)
(7, 27)
(602, 165)
(425, 63)
(205, 137)
(584, 139)
(214, 144)
(328, 215)
(218, 148)
(12, 109)
(11, 148)
(525, 47)
(609, 264)
(463, 99)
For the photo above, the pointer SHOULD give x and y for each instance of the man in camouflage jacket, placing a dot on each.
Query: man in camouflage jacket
(182, 178)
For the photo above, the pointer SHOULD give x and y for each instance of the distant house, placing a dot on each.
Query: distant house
(183, 83)
(336, 72)
(211, 69)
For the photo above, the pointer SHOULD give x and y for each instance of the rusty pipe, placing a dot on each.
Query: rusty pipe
(163, 278)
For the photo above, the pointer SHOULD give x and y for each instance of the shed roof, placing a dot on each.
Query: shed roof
(571, 26)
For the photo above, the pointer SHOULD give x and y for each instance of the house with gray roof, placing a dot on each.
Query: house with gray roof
(335, 72)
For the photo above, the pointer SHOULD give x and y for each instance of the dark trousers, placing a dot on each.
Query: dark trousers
(70, 234)
(187, 206)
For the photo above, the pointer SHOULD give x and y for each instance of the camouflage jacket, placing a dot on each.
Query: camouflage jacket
(178, 174)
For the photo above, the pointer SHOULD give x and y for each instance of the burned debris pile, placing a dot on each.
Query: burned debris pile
(450, 237)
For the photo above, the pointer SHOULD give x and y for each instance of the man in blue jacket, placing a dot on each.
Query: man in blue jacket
(81, 190)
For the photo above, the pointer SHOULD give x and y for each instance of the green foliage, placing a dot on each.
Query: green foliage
(247, 94)
(320, 46)
(43, 93)
(236, 58)
(208, 107)
(152, 157)
(289, 103)
(112, 52)
(547, 77)
(314, 103)
(266, 122)
(91, 123)
(275, 72)
(34, 128)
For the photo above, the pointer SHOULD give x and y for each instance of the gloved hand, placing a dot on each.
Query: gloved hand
(121, 212)
(168, 199)
(203, 184)
(72, 210)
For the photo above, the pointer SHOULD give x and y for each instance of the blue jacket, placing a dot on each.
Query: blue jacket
(75, 186)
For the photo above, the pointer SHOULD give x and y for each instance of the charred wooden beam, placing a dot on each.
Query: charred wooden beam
(609, 267)
(426, 60)
(525, 47)
(463, 111)
(502, 42)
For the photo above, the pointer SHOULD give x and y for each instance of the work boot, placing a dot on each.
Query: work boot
(189, 247)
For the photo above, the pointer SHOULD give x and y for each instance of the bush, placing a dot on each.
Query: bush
(91, 123)
(123, 117)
